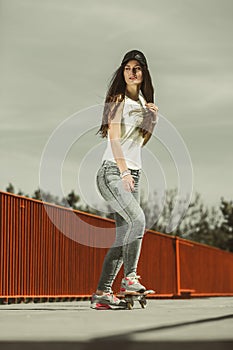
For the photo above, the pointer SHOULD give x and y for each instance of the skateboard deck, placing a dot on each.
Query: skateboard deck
(131, 297)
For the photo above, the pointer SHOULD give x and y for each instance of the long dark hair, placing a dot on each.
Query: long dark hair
(115, 96)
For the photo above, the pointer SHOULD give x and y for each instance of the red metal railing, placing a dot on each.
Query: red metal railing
(37, 260)
(205, 271)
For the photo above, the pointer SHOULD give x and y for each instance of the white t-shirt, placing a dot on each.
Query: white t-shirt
(131, 140)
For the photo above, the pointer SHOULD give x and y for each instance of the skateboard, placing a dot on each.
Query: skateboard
(131, 297)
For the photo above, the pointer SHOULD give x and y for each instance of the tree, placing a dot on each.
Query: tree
(227, 224)
(10, 188)
(200, 224)
(72, 199)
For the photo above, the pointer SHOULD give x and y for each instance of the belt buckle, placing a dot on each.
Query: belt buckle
(135, 171)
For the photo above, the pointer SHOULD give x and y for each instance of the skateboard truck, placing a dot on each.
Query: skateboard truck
(131, 297)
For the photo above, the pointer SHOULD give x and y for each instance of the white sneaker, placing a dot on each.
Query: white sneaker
(131, 284)
(107, 301)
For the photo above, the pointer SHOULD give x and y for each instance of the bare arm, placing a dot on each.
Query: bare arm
(115, 137)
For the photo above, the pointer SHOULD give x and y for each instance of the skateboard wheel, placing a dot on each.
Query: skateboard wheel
(130, 301)
(129, 305)
(143, 303)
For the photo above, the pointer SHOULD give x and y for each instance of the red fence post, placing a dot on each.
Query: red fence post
(177, 253)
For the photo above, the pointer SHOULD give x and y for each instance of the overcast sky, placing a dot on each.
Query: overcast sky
(57, 57)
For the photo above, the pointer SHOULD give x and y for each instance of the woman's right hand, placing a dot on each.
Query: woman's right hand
(128, 182)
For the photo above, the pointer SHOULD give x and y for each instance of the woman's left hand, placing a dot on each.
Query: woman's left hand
(152, 107)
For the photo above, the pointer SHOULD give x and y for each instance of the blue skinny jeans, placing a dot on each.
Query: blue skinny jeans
(130, 223)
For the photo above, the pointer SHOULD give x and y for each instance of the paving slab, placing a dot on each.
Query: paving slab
(199, 323)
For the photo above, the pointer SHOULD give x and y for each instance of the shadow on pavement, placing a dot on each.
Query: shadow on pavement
(116, 345)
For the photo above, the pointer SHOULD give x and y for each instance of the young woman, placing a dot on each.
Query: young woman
(128, 121)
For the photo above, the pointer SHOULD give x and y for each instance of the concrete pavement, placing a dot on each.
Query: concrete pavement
(202, 323)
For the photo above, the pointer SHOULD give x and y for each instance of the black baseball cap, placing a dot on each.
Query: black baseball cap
(134, 55)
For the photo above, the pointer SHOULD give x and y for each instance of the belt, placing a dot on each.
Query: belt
(133, 171)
